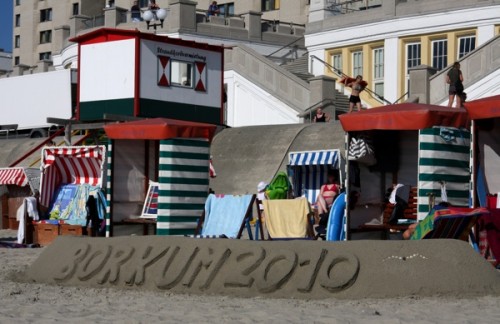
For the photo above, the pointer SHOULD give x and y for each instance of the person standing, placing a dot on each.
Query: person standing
(357, 86)
(135, 12)
(455, 79)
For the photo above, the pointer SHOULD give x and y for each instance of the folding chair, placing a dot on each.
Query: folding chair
(225, 216)
(288, 219)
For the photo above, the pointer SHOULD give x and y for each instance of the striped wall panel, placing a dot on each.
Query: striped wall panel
(109, 181)
(183, 185)
(444, 155)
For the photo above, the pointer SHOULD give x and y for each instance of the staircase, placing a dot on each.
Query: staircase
(299, 67)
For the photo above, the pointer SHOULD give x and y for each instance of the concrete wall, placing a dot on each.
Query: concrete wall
(284, 86)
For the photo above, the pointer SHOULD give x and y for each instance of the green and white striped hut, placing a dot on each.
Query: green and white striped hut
(174, 154)
(444, 160)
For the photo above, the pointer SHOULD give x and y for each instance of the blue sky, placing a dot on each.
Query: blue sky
(6, 14)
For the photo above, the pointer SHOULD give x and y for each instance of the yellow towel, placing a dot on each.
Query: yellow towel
(287, 217)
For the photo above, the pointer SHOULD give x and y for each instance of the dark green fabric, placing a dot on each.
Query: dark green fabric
(279, 186)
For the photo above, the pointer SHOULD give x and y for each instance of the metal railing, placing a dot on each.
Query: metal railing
(309, 110)
(284, 46)
(96, 21)
(342, 74)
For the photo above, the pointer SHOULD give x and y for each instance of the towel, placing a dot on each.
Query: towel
(224, 214)
(287, 218)
(392, 197)
(28, 206)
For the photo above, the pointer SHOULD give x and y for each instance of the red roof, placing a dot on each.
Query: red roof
(405, 116)
(484, 108)
(159, 128)
(114, 34)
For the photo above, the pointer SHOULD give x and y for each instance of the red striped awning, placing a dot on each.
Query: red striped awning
(70, 165)
(13, 176)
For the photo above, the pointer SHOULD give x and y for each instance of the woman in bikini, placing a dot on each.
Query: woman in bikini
(357, 86)
(327, 194)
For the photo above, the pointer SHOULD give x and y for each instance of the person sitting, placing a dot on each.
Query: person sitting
(327, 194)
(213, 9)
(321, 117)
(135, 12)
(153, 5)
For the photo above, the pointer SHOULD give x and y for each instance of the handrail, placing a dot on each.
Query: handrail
(284, 46)
(404, 95)
(49, 139)
(342, 74)
(309, 109)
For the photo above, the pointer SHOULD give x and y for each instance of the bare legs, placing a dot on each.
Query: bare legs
(351, 106)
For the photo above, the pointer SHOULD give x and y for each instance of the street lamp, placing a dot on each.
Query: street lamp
(153, 15)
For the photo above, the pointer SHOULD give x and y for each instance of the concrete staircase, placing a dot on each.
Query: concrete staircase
(299, 67)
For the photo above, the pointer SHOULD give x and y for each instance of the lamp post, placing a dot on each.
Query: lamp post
(151, 16)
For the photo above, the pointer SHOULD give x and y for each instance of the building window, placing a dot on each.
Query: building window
(76, 9)
(337, 63)
(226, 9)
(16, 60)
(46, 15)
(412, 55)
(45, 36)
(357, 63)
(45, 56)
(465, 45)
(439, 54)
(18, 20)
(143, 3)
(17, 41)
(268, 5)
(181, 74)
(18, 2)
(378, 71)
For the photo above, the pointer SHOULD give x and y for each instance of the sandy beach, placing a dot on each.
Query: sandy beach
(27, 302)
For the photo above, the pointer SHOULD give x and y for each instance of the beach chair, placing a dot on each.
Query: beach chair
(288, 218)
(449, 223)
(225, 216)
(279, 187)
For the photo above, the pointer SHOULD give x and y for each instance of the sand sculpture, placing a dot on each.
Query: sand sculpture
(291, 269)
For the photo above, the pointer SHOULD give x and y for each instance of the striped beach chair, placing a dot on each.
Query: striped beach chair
(448, 222)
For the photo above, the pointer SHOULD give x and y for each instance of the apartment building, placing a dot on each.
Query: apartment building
(37, 21)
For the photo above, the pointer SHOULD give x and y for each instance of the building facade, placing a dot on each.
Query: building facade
(5, 62)
(385, 41)
(36, 23)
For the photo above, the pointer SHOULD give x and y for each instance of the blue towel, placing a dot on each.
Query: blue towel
(224, 214)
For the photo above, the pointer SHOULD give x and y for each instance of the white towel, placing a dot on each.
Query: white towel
(29, 206)
(498, 199)
(392, 197)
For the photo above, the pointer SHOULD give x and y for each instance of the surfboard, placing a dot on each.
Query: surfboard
(335, 228)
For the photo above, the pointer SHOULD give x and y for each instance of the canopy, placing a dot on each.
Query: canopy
(329, 157)
(158, 129)
(13, 176)
(405, 116)
(484, 108)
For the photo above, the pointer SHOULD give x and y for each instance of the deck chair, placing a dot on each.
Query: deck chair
(448, 222)
(279, 187)
(225, 216)
(288, 218)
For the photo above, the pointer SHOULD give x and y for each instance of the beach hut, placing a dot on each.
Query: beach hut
(485, 151)
(172, 153)
(424, 146)
(309, 170)
(18, 183)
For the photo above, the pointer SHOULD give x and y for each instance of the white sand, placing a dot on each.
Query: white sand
(22, 302)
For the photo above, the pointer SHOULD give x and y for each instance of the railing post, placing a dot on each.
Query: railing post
(420, 83)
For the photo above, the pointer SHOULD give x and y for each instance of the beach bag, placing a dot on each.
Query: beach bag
(361, 150)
